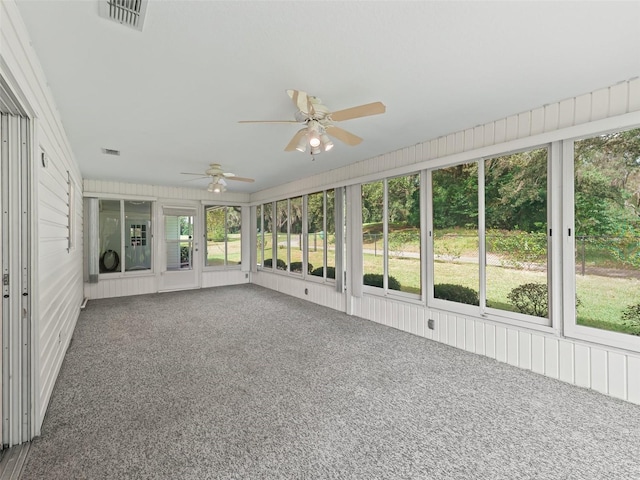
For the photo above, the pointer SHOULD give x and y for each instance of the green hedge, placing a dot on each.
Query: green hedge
(456, 293)
(376, 280)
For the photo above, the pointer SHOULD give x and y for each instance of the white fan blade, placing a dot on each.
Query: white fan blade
(301, 100)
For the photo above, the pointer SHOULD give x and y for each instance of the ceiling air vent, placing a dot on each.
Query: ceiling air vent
(111, 151)
(127, 12)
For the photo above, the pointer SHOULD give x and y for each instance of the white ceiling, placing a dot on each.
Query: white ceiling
(170, 97)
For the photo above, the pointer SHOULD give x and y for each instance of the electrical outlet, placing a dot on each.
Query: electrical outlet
(431, 324)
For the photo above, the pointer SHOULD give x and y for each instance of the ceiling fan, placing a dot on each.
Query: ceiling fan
(218, 178)
(318, 120)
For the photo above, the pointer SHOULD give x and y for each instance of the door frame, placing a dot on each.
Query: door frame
(179, 280)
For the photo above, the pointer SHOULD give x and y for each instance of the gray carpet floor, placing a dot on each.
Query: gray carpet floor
(245, 383)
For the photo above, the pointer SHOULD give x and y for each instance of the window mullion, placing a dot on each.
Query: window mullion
(385, 235)
(482, 256)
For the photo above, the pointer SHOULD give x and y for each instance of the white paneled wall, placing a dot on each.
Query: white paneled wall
(57, 289)
(536, 126)
(606, 370)
(113, 285)
(158, 191)
(219, 278)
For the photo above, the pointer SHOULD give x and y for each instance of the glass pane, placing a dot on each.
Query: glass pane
(516, 232)
(110, 236)
(179, 242)
(372, 235)
(138, 235)
(282, 226)
(315, 228)
(403, 209)
(216, 236)
(607, 231)
(456, 270)
(295, 234)
(234, 235)
(330, 235)
(259, 238)
(268, 234)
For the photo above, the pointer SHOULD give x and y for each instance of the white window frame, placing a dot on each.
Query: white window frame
(570, 328)
(226, 266)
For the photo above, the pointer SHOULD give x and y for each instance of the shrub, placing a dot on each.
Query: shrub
(280, 265)
(631, 318)
(456, 293)
(318, 272)
(376, 280)
(297, 267)
(531, 299)
(519, 249)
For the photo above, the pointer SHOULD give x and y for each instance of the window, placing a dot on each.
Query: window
(265, 236)
(509, 227)
(515, 233)
(321, 256)
(607, 232)
(391, 234)
(223, 245)
(178, 231)
(282, 235)
(124, 229)
(456, 266)
(295, 235)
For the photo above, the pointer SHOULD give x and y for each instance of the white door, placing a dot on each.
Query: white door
(180, 253)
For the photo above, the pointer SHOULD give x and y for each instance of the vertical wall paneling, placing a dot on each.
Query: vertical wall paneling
(599, 370)
(551, 357)
(566, 113)
(633, 103)
(565, 355)
(633, 379)
(470, 335)
(524, 350)
(582, 112)
(490, 340)
(617, 375)
(480, 338)
(582, 366)
(537, 353)
(501, 343)
(512, 347)
(599, 104)
(618, 99)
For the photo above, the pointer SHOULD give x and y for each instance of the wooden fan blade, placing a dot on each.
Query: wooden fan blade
(374, 108)
(201, 177)
(295, 140)
(300, 99)
(267, 121)
(240, 179)
(343, 135)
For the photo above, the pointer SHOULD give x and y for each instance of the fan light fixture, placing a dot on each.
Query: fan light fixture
(316, 138)
(217, 185)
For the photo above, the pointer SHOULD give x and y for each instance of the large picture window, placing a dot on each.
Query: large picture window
(125, 233)
(391, 234)
(607, 231)
(321, 257)
(223, 238)
(508, 230)
(515, 233)
(456, 274)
